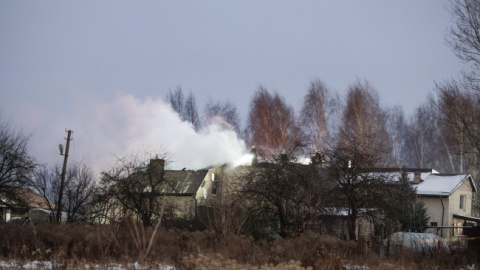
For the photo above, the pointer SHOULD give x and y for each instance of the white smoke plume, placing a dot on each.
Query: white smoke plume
(129, 125)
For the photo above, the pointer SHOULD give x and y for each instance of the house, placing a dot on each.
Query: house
(153, 190)
(179, 192)
(448, 198)
(27, 207)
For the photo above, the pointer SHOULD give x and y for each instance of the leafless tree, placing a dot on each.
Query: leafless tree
(79, 193)
(80, 184)
(133, 184)
(176, 100)
(359, 190)
(422, 140)
(191, 112)
(226, 110)
(319, 117)
(16, 165)
(364, 122)
(363, 143)
(464, 38)
(283, 195)
(226, 216)
(185, 107)
(397, 127)
(458, 113)
(271, 125)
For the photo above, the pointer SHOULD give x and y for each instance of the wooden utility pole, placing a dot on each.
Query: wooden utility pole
(62, 179)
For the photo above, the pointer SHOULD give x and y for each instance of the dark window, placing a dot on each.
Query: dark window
(462, 202)
(214, 187)
(433, 224)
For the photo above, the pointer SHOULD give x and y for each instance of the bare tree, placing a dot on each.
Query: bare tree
(190, 111)
(16, 165)
(271, 125)
(288, 197)
(464, 38)
(79, 193)
(226, 216)
(397, 128)
(226, 110)
(359, 190)
(364, 122)
(133, 184)
(458, 114)
(80, 184)
(186, 108)
(176, 100)
(363, 143)
(422, 143)
(319, 117)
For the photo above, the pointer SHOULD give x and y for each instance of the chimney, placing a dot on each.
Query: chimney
(156, 169)
(416, 178)
(253, 151)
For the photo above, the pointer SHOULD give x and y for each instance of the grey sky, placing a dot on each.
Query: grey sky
(60, 61)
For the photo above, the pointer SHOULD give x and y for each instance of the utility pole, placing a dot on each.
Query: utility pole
(62, 179)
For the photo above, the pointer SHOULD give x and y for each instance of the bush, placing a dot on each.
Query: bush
(76, 244)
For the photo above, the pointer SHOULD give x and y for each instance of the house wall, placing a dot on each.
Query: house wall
(179, 206)
(204, 194)
(451, 206)
(437, 207)
(454, 207)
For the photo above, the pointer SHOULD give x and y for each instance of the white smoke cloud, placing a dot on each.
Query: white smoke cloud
(129, 125)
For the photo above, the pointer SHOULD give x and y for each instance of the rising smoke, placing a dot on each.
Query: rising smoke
(129, 125)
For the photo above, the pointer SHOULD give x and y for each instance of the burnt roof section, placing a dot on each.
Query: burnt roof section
(183, 182)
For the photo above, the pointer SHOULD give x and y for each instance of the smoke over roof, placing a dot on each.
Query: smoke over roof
(129, 125)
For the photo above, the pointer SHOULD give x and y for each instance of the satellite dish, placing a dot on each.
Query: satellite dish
(60, 147)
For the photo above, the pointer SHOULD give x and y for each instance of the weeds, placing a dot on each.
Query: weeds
(78, 244)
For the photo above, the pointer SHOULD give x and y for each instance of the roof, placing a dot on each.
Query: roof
(183, 182)
(432, 183)
(442, 184)
(29, 198)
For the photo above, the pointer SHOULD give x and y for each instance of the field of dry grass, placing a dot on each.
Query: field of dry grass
(79, 245)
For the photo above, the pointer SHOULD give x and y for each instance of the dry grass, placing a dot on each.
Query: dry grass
(77, 245)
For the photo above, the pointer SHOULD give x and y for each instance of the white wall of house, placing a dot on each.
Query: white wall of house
(461, 202)
(437, 210)
(451, 206)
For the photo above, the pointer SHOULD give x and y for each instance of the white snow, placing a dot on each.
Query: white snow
(438, 184)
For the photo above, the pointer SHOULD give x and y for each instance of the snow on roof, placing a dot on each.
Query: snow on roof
(440, 184)
(432, 183)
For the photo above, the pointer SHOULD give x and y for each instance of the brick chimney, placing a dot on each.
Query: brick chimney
(156, 168)
(416, 178)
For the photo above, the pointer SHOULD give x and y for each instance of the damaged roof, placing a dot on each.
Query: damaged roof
(183, 182)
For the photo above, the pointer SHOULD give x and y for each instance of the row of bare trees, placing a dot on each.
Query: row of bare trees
(20, 171)
(443, 133)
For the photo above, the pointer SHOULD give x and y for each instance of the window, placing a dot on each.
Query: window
(462, 202)
(214, 185)
(433, 224)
